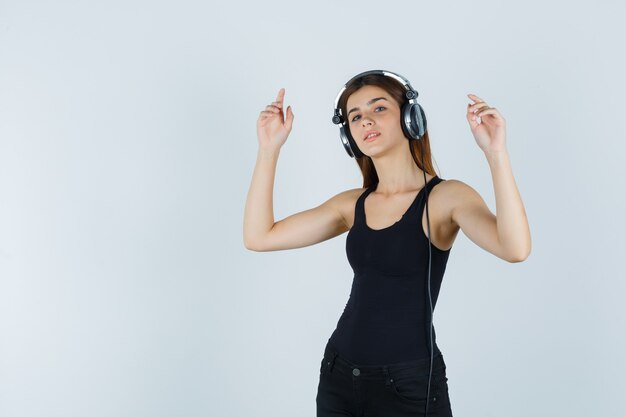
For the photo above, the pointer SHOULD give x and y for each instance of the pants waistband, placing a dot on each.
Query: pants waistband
(333, 362)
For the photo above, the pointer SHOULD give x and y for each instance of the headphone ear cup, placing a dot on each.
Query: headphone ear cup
(405, 115)
(349, 144)
(418, 121)
(423, 124)
(409, 121)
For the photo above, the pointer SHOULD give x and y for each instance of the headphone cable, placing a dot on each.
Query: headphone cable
(429, 263)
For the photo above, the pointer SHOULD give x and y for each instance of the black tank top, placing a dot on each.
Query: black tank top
(387, 316)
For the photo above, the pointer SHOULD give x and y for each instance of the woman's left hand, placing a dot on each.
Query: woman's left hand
(490, 133)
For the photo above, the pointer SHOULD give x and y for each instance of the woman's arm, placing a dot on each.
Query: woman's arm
(506, 234)
(260, 231)
(513, 228)
(262, 234)
(259, 211)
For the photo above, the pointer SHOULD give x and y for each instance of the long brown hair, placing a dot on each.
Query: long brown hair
(396, 91)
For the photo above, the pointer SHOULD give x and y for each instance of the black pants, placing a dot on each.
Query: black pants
(391, 390)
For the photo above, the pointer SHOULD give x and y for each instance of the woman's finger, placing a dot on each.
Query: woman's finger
(281, 95)
(266, 115)
(491, 111)
(476, 106)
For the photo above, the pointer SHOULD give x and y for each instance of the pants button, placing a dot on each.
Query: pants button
(356, 372)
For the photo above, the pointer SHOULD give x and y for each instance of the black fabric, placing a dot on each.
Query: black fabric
(387, 316)
(395, 390)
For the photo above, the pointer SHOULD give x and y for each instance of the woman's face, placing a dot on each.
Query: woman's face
(372, 108)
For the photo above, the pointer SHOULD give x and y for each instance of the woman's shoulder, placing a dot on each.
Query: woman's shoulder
(450, 189)
(453, 193)
(350, 194)
(346, 199)
(454, 187)
(345, 202)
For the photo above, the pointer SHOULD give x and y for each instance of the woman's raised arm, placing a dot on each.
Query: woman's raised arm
(260, 232)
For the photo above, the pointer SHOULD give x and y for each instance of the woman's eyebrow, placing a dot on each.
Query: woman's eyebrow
(368, 103)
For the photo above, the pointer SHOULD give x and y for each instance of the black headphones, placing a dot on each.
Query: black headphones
(412, 121)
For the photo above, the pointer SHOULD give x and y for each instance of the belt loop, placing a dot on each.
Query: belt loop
(386, 371)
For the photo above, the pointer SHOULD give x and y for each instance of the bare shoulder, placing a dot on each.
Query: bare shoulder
(457, 193)
(344, 202)
(455, 188)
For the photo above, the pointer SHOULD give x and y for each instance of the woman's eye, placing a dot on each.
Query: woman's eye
(379, 107)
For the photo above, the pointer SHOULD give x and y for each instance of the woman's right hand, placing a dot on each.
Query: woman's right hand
(272, 127)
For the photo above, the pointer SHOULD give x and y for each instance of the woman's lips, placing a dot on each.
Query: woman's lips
(372, 138)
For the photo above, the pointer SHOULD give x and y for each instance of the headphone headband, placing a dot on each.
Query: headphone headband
(405, 83)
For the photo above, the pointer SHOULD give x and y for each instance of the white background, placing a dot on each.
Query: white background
(127, 145)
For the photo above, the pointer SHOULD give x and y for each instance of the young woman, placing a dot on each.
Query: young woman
(382, 358)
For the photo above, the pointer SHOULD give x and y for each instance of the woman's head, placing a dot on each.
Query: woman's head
(363, 113)
(372, 109)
